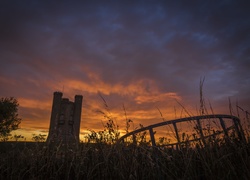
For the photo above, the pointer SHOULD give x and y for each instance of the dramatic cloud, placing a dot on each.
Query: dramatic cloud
(142, 55)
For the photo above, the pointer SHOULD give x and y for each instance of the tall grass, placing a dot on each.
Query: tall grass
(230, 160)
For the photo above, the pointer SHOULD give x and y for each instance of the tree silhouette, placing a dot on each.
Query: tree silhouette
(9, 119)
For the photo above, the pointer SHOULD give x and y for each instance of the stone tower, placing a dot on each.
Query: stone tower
(65, 119)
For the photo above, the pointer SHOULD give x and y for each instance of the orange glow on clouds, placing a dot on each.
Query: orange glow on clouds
(137, 89)
(156, 97)
(34, 104)
(144, 104)
(142, 98)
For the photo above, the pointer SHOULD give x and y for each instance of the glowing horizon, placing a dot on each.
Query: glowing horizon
(92, 119)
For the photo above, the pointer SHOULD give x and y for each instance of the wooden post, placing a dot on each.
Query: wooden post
(239, 130)
(201, 132)
(151, 132)
(177, 135)
(134, 139)
(222, 123)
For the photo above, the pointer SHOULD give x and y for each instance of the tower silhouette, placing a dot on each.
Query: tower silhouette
(65, 119)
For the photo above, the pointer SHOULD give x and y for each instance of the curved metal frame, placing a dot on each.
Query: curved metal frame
(236, 125)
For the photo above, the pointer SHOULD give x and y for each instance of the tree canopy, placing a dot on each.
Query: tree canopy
(9, 119)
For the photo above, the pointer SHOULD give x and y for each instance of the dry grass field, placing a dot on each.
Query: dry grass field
(219, 160)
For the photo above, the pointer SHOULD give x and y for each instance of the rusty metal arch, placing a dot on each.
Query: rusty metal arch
(221, 117)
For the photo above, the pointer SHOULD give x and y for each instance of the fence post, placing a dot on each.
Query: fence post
(222, 123)
(177, 135)
(239, 130)
(134, 139)
(151, 132)
(201, 132)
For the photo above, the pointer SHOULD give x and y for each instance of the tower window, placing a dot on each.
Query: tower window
(61, 120)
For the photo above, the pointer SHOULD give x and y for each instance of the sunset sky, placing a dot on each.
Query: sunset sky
(143, 55)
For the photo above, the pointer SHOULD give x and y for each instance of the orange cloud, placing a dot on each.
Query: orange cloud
(34, 104)
(143, 98)
(141, 91)
(156, 97)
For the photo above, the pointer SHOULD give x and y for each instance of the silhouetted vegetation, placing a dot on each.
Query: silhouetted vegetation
(106, 159)
(102, 161)
(9, 119)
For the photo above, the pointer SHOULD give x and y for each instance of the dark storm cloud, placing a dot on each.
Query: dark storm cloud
(125, 45)
(141, 36)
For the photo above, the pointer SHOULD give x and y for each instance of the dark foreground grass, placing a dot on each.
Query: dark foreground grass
(102, 161)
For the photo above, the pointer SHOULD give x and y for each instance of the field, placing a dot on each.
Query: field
(22, 160)
(221, 157)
